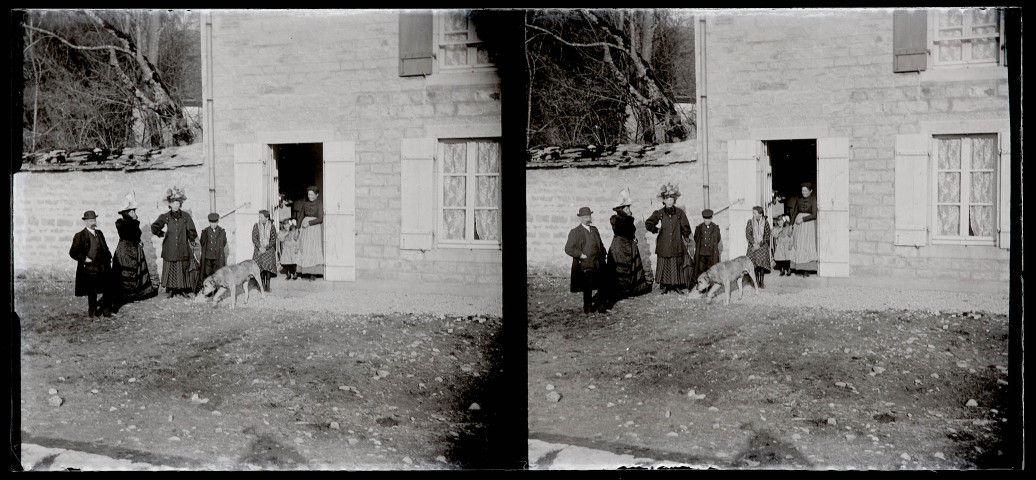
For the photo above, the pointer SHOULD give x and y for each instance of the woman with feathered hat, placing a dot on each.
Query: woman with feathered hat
(131, 279)
(627, 269)
(671, 225)
(179, 232)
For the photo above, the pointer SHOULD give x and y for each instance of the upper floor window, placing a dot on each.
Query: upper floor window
(966, 36)
(966, 187)
(459, 44)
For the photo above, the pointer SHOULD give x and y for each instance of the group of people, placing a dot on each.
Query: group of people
(111, 281)
(618, 272)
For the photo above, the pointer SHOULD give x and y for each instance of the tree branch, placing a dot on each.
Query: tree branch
(72, 45)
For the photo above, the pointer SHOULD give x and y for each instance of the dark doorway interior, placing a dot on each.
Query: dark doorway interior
(792, 162)
(299, 165)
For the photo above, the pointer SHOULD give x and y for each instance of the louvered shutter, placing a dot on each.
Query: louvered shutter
(832, 194)
(909, 40)
(248, 197)
(415, 43)
(742, 192)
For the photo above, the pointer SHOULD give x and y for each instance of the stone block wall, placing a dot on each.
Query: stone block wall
(338, 72)
(47, 211)
(832, 72)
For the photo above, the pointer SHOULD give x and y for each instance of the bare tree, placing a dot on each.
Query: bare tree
(91, 60)
(605, 59)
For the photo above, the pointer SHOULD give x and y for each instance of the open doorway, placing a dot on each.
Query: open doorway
(792, 162)
(296, 167)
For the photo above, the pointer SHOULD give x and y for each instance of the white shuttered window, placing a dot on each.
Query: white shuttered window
(965, 36)
(459, 44)
(966, 195)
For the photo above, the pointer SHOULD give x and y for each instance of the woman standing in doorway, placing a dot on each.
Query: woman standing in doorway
(803, 253)
(310, 218)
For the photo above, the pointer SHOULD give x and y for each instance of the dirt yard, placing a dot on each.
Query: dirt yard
(798, 377)
(301, 380)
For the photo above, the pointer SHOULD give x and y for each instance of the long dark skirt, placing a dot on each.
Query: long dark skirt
(627, 269)
(130, 277)
(176, 274)
(670, 272)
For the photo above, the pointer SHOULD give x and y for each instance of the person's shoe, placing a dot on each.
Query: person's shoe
(106, 312)
(91, 313)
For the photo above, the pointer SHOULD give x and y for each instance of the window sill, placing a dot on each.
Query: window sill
(469, 246)
(958, 73)
(964, 242)
(482, 76)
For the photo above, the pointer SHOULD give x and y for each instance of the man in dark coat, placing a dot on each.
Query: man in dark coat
(589, 255)
(213, 248)
(706, 241)
(93, 258)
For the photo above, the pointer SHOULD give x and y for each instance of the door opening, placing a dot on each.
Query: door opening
(296, 167)
(792, 162)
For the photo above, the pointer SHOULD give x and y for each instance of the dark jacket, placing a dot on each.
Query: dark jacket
(310, 209)
(706, 240)
(213, 247)
(672, 227)
(91, 278)
(178, 233)
(586, 272)
(803, 206)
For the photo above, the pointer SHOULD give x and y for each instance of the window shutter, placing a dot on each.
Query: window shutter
(911, 190)
(1005, 190)
(415, 43)
(417, 193)
(909, 40)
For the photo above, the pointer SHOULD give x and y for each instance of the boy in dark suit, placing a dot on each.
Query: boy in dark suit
(213, 248)
(706, 241)
(94, 261)
(589, 256)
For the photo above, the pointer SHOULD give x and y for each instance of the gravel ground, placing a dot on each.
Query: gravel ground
(871, 298)
(304, 295)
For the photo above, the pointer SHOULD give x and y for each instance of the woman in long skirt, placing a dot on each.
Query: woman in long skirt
(131, 279)
(671, 225)
(264, 244)
(804, 238)
(311, 234)
(178, 258)
(627, 269)
(757, 232)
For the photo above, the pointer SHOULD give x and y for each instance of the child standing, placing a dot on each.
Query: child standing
(706, 243)
(288, 237)
(782, 246)
(213, 248)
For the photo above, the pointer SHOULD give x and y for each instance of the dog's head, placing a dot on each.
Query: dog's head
(208, 286)
(703, 283)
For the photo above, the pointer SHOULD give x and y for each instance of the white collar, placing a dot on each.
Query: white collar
(93, 231)
(587, 227)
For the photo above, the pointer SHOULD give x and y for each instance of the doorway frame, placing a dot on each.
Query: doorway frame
(338, 164)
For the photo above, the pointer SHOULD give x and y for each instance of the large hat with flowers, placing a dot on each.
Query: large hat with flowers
(175, 194)
(669, 190)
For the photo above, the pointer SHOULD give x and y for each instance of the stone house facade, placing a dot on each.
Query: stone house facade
(900, 119)
(396, 116)
(391, 114)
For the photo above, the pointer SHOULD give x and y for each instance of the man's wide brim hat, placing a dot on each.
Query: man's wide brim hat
(584, 211)
(175, 194)
(624, 198)
(89, 215)
(669, 190)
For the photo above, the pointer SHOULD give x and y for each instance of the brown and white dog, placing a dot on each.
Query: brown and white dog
(723, 273)
(229, 277)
